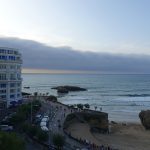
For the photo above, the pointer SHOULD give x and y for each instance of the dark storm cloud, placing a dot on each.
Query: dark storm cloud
(40, 56)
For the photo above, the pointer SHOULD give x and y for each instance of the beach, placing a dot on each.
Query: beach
(128, 136)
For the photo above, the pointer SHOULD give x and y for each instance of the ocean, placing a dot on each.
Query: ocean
(121, 96)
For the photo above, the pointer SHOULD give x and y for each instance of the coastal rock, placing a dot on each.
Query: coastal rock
(62, 90)
(66, 89)
(145, 118)
(98, 121)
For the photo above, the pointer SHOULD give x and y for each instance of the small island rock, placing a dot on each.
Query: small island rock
(66, 89)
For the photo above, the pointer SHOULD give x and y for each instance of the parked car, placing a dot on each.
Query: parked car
(6, 128)
(44, 120)
(43, 124)
(44, 128)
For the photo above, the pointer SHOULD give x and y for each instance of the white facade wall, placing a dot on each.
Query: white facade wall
(10, 75)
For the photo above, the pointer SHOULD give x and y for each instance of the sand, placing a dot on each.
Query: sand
(123, 137)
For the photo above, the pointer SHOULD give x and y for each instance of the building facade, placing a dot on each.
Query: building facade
(10, 76)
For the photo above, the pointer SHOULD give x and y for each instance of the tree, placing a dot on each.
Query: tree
(87, 106)
(58, 141)
(95, 108)
(52, 98)
(32, 131)
(9, 141)
(80, 106)
(42, 136)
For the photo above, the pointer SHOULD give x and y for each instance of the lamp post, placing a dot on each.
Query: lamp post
(49, 127)
(31, 112)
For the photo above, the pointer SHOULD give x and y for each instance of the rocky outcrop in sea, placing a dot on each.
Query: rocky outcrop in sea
(67, 89)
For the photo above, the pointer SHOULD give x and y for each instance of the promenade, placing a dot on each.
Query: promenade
(57, 113)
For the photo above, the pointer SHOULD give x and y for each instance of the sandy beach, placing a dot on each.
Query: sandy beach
(123, 137)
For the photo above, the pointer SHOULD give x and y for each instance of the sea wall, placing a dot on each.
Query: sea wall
(98, 121)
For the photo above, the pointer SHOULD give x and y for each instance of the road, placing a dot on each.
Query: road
(57, 114)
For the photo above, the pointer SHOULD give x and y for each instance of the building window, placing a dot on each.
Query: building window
(12, 77)
(2, 66)
(2, 91)
(18, 76)
(18, 67)
(12, 96)
(12, 67)
(2, 57)
(12, 90)
(3, 96)
(2, 76)
(3, 51)
(2, 85)
(12, 85)
(18, 84)
(10, 51)
(12, 58)
(18, 95)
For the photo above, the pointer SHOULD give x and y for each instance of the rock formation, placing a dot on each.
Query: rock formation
(98, 121)
(66, 89)
(145, 118)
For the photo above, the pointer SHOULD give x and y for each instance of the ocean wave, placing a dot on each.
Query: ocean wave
(135, 95)
(127, 95)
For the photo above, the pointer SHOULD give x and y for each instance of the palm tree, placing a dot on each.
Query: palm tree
(80, 106)
(87, 106)
(95, 108)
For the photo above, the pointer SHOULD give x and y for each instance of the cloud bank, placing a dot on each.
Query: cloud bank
(40, 56)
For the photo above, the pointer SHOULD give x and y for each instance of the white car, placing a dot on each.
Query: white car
(44, 120)
(43, 124)
(46, 117)
(44, 128)
(6, 128)
(38, 116)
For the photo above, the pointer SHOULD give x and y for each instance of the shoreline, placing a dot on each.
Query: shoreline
(123, 136)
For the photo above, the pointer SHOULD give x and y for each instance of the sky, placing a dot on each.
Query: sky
(107, 26)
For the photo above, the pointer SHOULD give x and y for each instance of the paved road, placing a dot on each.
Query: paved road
(58, 113)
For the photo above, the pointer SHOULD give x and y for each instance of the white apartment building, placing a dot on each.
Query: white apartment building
(10, 75)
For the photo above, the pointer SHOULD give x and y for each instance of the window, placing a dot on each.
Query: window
(2, 85)
(12, 58)
(12, 96)
(18, 58)
(12, 77)
(10, 51)
(12, 90)
(3, 96)
(18, 84)
(12, 67)
(2, 76)
(2, 66)
(12, 84)
(18, 95)
(18, 76)
(3, 51)
(2, 57)
(2, 91)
